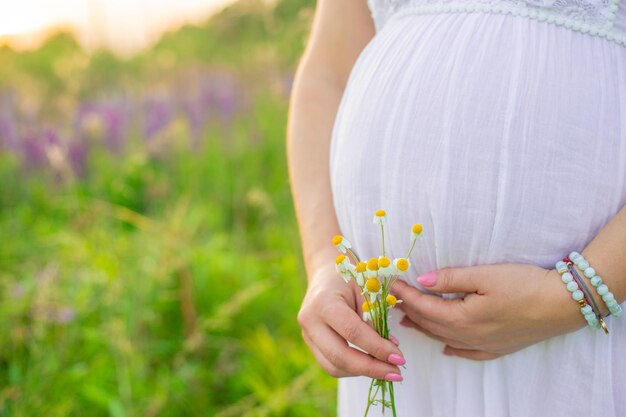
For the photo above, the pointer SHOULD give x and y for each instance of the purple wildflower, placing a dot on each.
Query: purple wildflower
(157, 115)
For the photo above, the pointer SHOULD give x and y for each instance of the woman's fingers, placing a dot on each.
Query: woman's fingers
(321, 359)
(349, 325)
(434, 308)
(345, 360)
(449, 330)
(407, 322)
(475, 355)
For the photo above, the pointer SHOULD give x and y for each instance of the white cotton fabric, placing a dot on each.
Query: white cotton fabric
(506, 138)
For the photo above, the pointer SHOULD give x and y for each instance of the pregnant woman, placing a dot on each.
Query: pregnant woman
(500, 125)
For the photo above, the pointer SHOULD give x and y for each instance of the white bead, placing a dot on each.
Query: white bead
(597, 280)
(586, 309)
(567, 277)
(582, 264)
(573, 255)
(590, 272)
(572, 286)
(578, 295)
(603, 289)
(608, 297)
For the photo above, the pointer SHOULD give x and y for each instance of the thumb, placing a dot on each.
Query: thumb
(449, 280)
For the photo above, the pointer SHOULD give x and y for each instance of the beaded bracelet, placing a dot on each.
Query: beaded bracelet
(592, 315)
(601, 289)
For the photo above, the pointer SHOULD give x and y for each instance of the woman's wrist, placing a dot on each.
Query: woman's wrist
(560, 306)
(603, 267)
(606, 253)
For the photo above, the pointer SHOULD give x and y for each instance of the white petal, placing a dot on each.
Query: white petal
(360, 280)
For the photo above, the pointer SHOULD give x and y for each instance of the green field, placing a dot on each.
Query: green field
(150, 262)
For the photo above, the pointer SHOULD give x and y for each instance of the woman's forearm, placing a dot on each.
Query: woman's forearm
(607, 254)
(340, 31)
(313, 106)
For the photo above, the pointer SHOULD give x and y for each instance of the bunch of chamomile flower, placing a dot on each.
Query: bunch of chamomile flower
(375, 279)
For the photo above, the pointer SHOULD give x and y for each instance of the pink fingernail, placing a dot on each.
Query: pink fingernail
(447, 352)
(393, 377)
(396, 359)
(427, 280)
(394, 340)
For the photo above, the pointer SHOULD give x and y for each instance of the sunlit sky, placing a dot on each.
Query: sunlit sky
(123, 25)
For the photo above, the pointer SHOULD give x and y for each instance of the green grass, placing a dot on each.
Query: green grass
(181, 277)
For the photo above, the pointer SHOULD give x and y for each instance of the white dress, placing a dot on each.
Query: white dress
(500, 125)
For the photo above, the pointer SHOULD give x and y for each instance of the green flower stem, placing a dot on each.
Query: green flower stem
(352, 255)
(391, 397)
(382, 231)
(411, 250)
(371, 398)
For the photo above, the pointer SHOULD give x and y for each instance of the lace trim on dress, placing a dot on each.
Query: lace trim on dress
(595, 17)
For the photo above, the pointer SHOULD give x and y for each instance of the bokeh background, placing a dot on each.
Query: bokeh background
(149, 255)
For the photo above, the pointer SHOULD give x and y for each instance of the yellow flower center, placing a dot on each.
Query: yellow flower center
(402, 264)
(372, 285)
(383, 262)
(391, 300)
(372, 264)
(365, 307)
(380, 213)
(360, 267)
(417, 228)
(340, 259)
(337, 239)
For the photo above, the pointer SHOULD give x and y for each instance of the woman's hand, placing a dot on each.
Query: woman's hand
(329, 317)
(508, 307)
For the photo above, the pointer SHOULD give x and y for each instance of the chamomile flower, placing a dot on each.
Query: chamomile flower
(345, 268)
(392, 300)
(416, 232)
(380, 217)
(341, 243)
(372, 268)
(402, 265)
(350, 273)
(341, 263)
(366, 311)
(373, 287)
(360, 273)
(385, 268)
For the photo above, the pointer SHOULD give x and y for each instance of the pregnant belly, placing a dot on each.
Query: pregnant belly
(507, 143)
